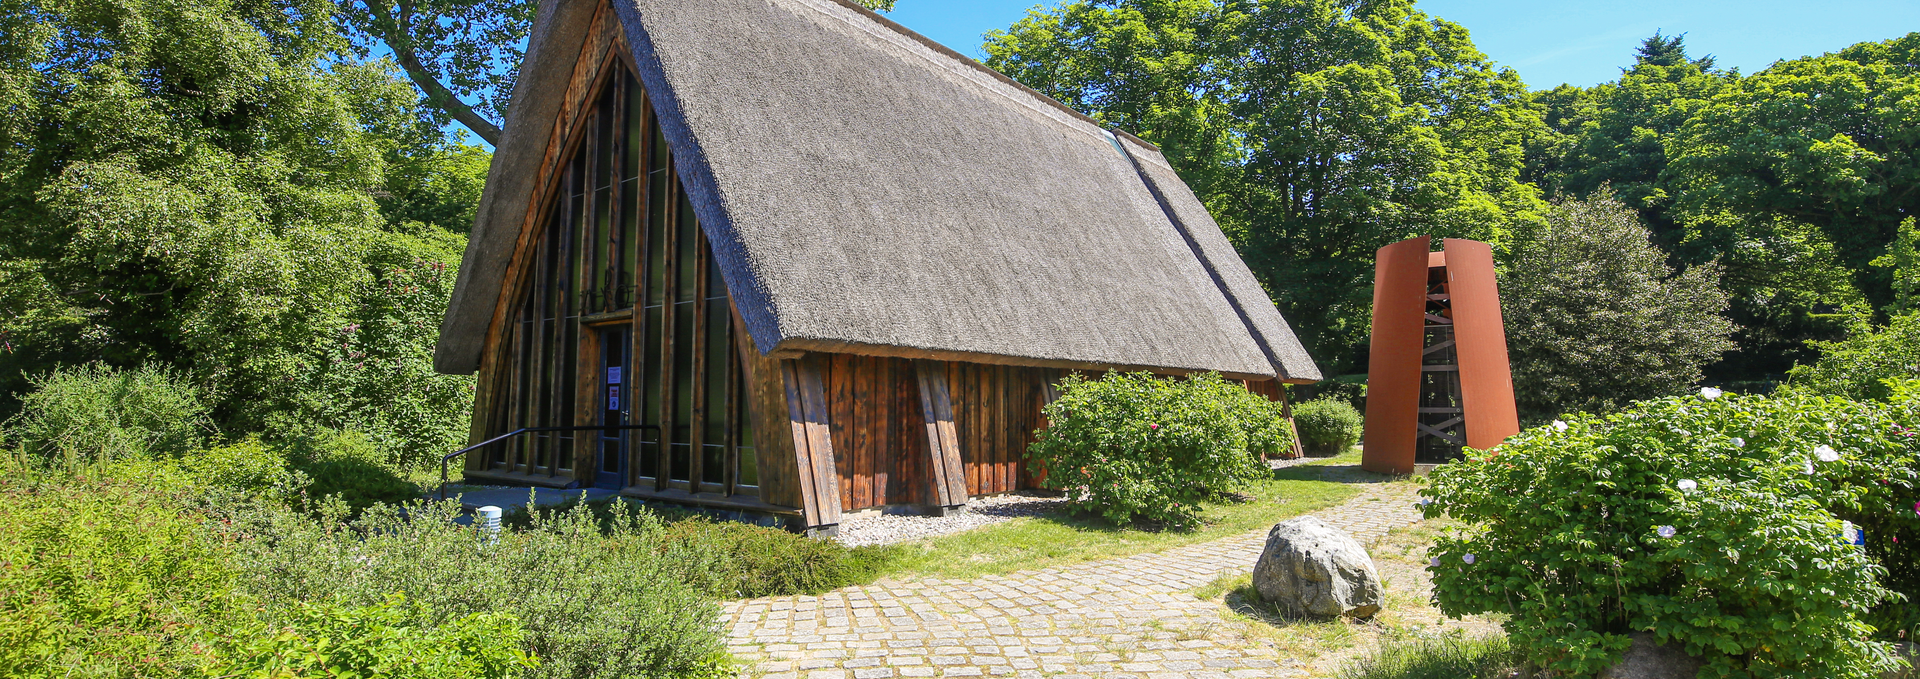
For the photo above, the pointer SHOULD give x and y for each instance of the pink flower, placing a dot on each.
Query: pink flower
(1153, 426)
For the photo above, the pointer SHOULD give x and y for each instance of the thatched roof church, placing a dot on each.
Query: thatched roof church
(833, 264)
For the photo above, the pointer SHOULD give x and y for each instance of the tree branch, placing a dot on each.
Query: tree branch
(438, 96)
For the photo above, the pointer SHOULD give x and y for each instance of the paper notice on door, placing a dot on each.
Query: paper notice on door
(613, 398)
(613, 375)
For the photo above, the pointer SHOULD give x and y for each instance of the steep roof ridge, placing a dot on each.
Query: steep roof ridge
(1213, 270)
(947, 57)
(1277, 337)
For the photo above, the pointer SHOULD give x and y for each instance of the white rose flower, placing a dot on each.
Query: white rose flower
(1739, 442)
(1710, 393)
(1559, 426)
(1468, 558)
(1666, 531)
(1687, 485)
(1826, 454)
(1435, 563)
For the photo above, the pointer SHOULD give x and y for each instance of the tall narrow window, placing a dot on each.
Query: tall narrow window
(621, 257)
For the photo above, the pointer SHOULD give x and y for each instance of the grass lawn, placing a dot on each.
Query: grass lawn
(1042, 542)
(1409, 639)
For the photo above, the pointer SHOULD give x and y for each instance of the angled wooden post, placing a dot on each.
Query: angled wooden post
(949, 474)
(812, 443)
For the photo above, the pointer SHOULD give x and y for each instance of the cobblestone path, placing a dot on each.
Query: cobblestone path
(1126, 617)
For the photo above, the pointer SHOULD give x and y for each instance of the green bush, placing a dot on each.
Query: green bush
(1860, 366)
(595, 601)
(248, 468)
(92, 413)
(391, 640)
(1597, 317)
(106, 573)
(1137, 447)
(1713, 523)
(347, 465)
(1327, 426)
(753, 561)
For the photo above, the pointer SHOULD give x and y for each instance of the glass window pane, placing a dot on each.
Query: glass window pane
(682, 389)
(657, 198)
(650, 392)
(718, 371)
(689, 244)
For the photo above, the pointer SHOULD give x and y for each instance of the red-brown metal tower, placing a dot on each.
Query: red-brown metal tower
(1437, 378)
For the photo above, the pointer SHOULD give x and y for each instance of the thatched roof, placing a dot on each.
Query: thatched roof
(869, 191)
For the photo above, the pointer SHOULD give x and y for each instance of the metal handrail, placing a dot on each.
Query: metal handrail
(526, 430)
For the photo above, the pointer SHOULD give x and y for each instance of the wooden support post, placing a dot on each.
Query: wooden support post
(1286, 408)
(948, 474)
(812, 443)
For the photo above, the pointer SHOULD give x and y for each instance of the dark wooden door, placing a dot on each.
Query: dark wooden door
(616, 374)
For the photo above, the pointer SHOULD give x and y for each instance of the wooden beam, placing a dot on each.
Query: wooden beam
(948, 474)
(588, 396)
(812, 441)
(769, 412)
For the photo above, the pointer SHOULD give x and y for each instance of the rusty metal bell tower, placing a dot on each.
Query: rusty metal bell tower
(1437, 377)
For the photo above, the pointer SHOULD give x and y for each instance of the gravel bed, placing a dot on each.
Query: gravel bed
(886, 529)
(1295, 462)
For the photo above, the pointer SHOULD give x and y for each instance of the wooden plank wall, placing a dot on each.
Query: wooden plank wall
(879, 428)
(879, 438)
(996, 409)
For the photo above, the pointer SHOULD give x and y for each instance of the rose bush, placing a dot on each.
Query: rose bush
(1135, 447)
(1723, 524)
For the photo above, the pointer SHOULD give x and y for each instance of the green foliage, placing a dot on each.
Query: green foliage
(441, 190)
(250, 468)
(451, 50)
(107, 573)
(1793, 178)
(1316, 131)
(1131, 446)
(1596, 318)
(1327, 426)
(375, 371)
(347, 466)
(391, 640)
(194, 185)
(1449, 656)
(92, 413)
(1860, 366)
(753, 561)
(1715, 524)
(594, 600)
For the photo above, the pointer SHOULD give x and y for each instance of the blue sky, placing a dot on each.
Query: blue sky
(1583, 42)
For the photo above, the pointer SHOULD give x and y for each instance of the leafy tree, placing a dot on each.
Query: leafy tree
(1871, 359)
(1316, 130)
(1827, 143)
(450, 49)
(463, 55)
(1666, 51)
(1613, 135)
(1792, 179)
(1596, 318)
(440, 188)
(192, 184)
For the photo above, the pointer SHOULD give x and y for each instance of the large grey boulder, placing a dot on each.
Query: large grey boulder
(1647, 659)
(1311, 569)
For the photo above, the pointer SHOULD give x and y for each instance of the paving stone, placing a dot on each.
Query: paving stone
(1114, 619)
